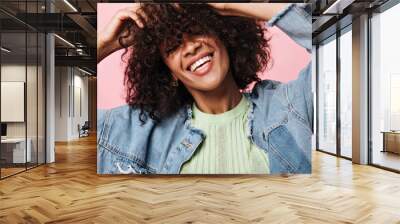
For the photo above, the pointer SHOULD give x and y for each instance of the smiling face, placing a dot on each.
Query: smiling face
(148, 73)
(201, 63)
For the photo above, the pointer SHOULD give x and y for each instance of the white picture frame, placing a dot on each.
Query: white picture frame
(12, 101)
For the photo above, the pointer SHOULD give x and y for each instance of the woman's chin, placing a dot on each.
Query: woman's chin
(209, 82)
(208, 86)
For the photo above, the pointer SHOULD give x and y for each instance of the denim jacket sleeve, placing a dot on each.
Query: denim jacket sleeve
(295, 21)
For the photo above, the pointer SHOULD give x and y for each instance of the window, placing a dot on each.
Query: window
(327, 97)
(346, 94)
(394, 119)
(385, 89)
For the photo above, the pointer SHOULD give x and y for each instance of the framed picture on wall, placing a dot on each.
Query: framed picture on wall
(12, 101)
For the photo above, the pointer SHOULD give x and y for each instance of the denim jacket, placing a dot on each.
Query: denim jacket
(280, 122)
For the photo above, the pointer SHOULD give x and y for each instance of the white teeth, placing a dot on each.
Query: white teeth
(199, 62)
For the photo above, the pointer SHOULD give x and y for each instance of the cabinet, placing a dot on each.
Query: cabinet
(13, 150)
(391, 141)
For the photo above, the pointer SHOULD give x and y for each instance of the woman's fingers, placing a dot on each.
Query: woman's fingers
(262, 11)
(225, 9)
(141, 16)
(129, 14)
(218, 6)
(136, 18)
(108, 40)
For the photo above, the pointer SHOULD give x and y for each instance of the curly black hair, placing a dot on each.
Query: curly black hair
(148, 82)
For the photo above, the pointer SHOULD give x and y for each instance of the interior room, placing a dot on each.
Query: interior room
(49, 102)
(27, 59)
(22, 100)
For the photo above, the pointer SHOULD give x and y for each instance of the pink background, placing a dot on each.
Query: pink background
(288, 59)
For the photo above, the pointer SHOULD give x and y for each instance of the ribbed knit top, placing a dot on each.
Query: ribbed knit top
(226, 149)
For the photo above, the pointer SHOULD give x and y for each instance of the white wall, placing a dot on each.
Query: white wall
(62, 81)
(70, 83)
(80, 83)
(17, 72)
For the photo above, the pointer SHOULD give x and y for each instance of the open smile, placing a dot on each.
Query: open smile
(201, 64)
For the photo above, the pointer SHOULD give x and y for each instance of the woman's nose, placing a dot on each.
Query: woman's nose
(191, 47)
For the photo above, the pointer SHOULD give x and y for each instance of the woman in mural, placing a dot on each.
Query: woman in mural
(189, 109)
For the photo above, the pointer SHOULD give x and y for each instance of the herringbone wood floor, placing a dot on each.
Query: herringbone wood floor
(70, 191)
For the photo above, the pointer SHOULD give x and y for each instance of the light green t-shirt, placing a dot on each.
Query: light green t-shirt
(226, 149)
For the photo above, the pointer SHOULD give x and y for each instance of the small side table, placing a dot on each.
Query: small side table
(391, 141)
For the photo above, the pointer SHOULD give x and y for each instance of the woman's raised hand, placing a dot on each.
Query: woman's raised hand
(108, 40)
(261, 11)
